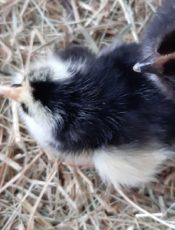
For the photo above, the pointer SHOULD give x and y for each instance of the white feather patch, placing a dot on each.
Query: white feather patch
(39, 130)
(56, 67)
(130, 168)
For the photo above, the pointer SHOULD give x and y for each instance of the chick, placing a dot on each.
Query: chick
(158, 48)
(95, 108)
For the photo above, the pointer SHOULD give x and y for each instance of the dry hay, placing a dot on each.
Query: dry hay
(36, 193)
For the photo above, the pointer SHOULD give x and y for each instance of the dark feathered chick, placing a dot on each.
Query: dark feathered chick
(158, 47)
(95, 108)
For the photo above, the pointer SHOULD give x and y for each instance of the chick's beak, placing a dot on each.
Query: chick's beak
(162, 65)
(147, 67)
(11, 92)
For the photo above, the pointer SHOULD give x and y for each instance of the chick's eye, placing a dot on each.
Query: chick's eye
(16, 85)
(24, 108)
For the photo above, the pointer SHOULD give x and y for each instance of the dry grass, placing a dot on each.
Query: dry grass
(36, 193)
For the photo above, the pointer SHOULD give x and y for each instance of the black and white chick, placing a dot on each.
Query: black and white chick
(95, 108)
